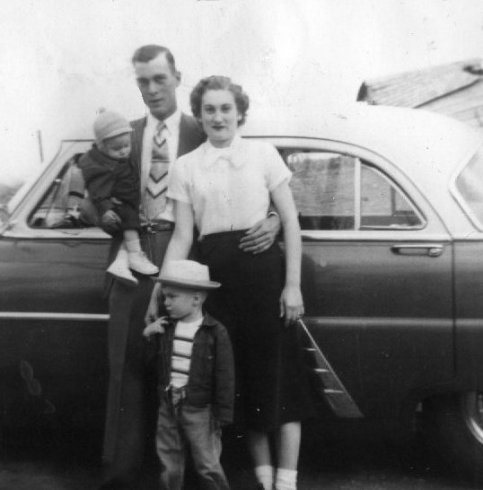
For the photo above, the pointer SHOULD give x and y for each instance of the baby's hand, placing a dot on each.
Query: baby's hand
(155, 327)
(110, 220)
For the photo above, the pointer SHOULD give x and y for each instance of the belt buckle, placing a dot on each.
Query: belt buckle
(177, 395)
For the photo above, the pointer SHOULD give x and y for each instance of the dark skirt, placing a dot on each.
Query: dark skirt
(272, 387)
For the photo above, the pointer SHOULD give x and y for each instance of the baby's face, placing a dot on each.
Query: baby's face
(118, 147)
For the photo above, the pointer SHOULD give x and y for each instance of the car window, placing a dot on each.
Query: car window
(469, 186)
(383, 205)
(341, 192)
(66, 203)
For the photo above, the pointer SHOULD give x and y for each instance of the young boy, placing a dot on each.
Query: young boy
(113, 188)
(195, 378)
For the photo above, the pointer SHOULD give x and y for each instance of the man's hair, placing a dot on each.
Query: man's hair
(216, 82)
(146, 53)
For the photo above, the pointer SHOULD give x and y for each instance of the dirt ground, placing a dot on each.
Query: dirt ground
(352, 458)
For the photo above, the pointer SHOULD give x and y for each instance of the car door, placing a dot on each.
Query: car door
(376, 273)
(53, 310)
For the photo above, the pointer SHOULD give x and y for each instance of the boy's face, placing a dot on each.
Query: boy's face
(117, 147)
(181, 303)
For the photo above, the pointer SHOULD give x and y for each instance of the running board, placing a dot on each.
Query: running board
(329, 385)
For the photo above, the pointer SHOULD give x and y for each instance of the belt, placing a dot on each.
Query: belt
(157, 226)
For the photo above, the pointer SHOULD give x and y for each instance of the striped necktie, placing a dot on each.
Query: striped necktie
(158, 174)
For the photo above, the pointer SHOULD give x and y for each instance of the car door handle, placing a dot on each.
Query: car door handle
(430, 249)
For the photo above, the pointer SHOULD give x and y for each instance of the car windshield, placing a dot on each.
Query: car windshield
(7, 191)
(469, 185)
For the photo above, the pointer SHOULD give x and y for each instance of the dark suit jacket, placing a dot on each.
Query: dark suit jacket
(190, 137)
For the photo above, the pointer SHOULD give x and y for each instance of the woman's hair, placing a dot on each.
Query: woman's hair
(216, 82)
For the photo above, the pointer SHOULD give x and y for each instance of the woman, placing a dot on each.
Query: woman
(224, 187)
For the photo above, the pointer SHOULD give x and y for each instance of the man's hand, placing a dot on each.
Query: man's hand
(110, 221)
(261, 236)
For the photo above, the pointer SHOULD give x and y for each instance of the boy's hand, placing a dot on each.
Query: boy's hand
(155, 327)
(153, 306)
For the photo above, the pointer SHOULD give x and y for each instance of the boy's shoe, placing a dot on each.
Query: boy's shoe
(121, 272)
(140, 263)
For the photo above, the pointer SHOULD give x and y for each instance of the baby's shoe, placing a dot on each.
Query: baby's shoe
(140, 263)
(120, 270)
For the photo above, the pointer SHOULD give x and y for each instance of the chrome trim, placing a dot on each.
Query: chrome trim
(457, 196)
(472, 408)
(357, 194)
(40, 315)
(387, 235)
(316, 322)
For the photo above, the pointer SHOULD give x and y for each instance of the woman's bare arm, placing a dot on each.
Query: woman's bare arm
(291, 302)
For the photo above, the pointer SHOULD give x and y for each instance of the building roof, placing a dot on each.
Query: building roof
(454, 89)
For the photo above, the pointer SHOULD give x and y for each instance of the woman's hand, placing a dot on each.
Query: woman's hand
(291, 304)
(152, 312)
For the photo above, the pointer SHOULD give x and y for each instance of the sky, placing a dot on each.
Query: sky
(61, 60)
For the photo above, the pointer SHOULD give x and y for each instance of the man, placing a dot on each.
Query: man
(157, 140)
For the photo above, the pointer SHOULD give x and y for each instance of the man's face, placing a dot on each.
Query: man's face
(158, 83)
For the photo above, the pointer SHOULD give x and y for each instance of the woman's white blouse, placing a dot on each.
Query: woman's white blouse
(228, 188)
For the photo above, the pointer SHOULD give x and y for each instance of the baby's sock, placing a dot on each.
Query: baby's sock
(133, 245)
(286, 479)
(264, 474)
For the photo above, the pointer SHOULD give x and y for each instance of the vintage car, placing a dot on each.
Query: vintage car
(390, 204)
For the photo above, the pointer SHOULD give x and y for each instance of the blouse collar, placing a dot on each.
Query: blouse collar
(230, 154)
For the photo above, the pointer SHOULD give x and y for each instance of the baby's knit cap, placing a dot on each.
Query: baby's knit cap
(109, 124)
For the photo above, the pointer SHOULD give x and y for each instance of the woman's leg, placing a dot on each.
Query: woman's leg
(288, 445)
(259, 447)
(288, 448)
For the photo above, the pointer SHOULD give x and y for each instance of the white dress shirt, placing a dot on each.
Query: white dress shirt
(172, 136)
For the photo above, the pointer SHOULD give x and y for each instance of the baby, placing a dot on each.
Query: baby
(113, 186)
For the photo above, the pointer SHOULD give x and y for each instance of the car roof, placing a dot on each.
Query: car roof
(411, 138)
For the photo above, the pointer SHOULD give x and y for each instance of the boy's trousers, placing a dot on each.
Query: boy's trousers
(183, 427)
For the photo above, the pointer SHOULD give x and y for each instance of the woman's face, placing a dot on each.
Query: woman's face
(219, 117)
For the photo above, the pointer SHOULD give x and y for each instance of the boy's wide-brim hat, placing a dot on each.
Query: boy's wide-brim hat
(187, 274)
(109, 124)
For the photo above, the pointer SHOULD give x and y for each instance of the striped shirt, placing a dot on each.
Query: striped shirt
(184, 335)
